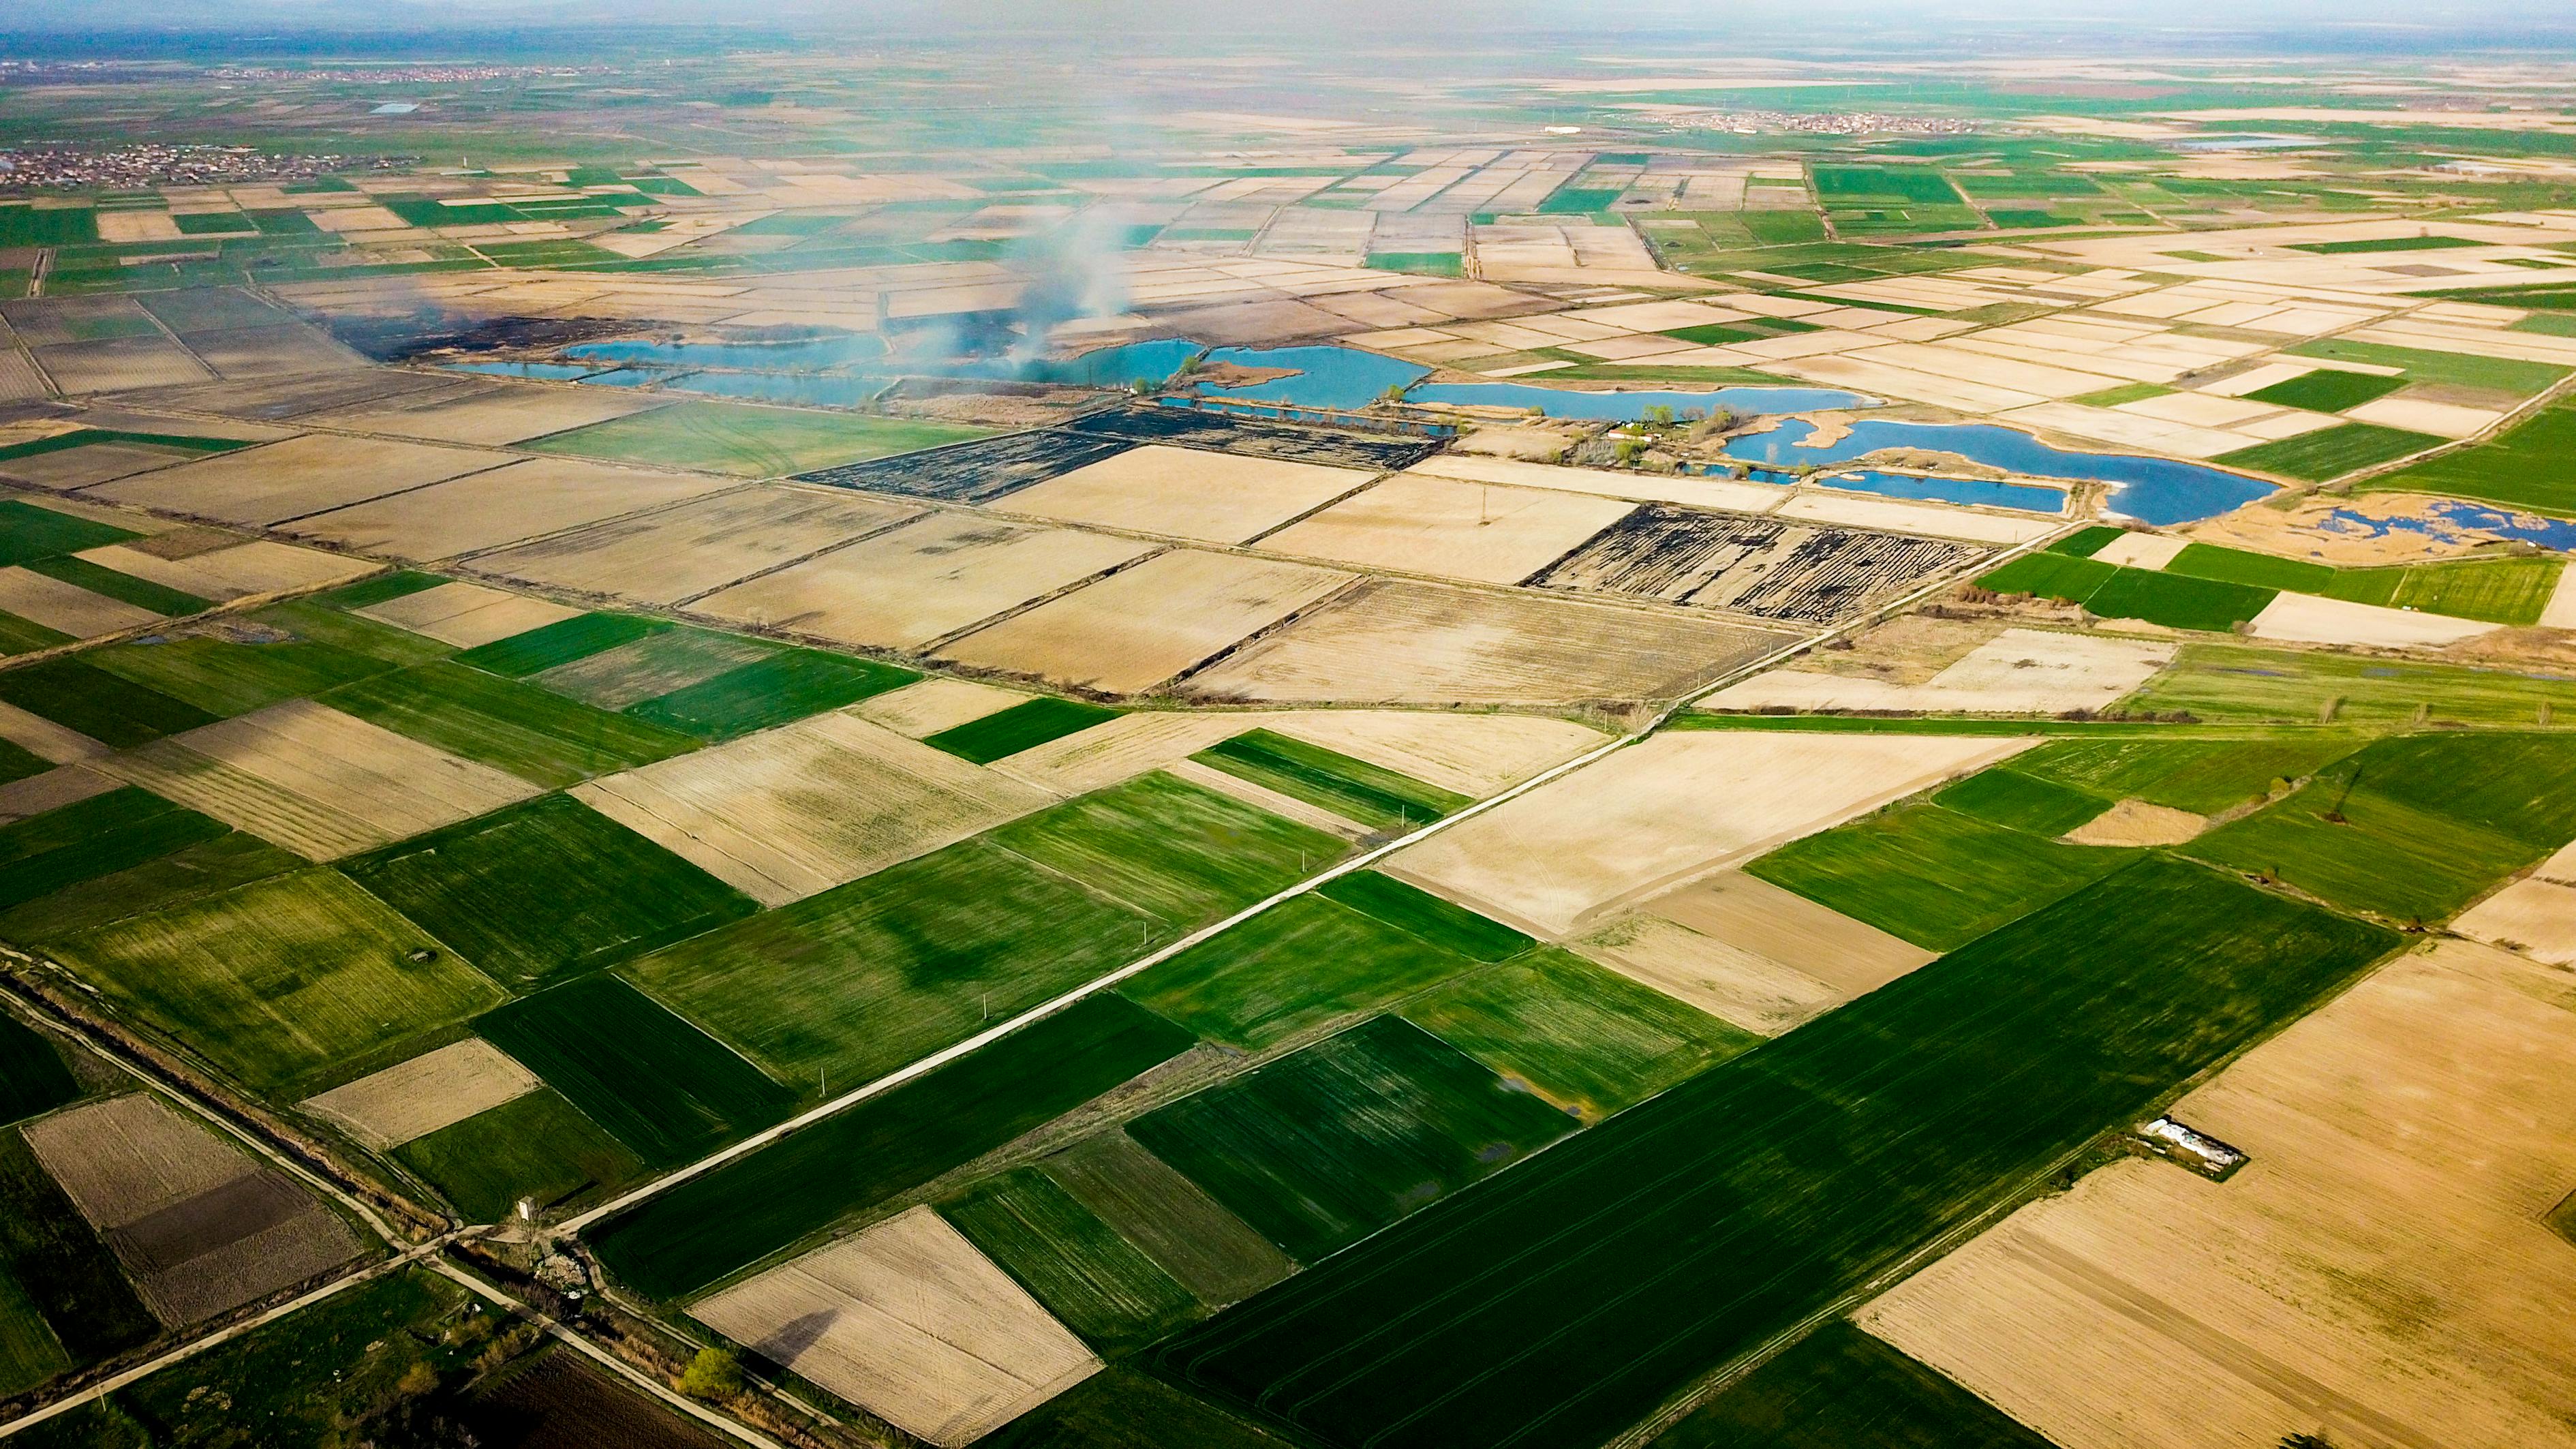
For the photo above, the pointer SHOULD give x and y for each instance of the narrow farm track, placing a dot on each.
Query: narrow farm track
(935, 1060)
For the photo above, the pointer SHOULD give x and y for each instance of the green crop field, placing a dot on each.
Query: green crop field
(1426, 915)
(1935, 877)
(2176, 601)
(761, 1202)
(865, 977)
(1021, 727)
(2530, 465)
(1206, 1249)
(546, 888)
(2332, 453)
(1119, 1408)
(308, 619)
(114, 711)
(2204, 776)
(657, 1083)
(283, 983)
(383, 588)
(2226, 681)
(2052, 575)
(1100, 1284)
(1333, 1142)
(752, 442)
(2085, 542)
(1172, 850)
(33, 1078)
(1559, 1301)
(785, 686)
(60, 1268)
(17, 762)
(24, 636)
(96, 837)
(224, 677)
(540, 737)
(2458, 369)
(29, 1354)
(207, 868)
(654, 665)
(558, 643)
(2413, 827)
(2006, 796)
(1354, 789)
(2498, 590)
(535, 1146)
(1589, 1040)
(29, 532)
(1841, 1388)
(2257, 570)
(125, 588)
(1291, 969)
(2327, 390)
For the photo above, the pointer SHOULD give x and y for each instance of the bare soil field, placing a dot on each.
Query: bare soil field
(2307, 619)
(467, 615)
(502, 413)
(2379, 1271)
(2019, 671)
(1393, 641)
(316, 781)
(433, 1090)
(1481, 532)
(2135, 822)
(1908, 649)
(118, 364)
(696, 547)
(791, 811)
(927, 579)
(310, 474)
(67, 608)
(55, 788)
(1673, 808)
(1336, 447)
(909, 1321)
(1797, 573)
(1743, 949)
(935, 704)
(652, 666)
(1473, 754)
(2535, 916)
(1141, 626)
(500, 506)
(1262, 797)
(233, 571)
(1187, 493)
(91, 463)
(198, 1225)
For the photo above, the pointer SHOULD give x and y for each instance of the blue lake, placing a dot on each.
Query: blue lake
(1327, 377)
(865, 356)
(2550, 533)
(2158, 491)
(546, 371)
(1629, 407)
(803, 354)
(2030, 497)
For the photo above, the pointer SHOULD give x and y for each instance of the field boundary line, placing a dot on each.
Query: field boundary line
(618, 1366)
(1362, 861)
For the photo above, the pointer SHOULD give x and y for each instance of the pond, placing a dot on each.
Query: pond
(2028, 497)
(2450, 519)
(2157, 491)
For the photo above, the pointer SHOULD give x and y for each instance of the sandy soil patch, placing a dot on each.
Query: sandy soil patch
(1392, 641)
(791, 811)
(500, 506)
(2536, 917)
(2340, 530)
(1743, 949)
(199, 1226)
(1141, 626)
(2142, 550)
(923, 581)
(1935, 520)
(280, 481)
(917, 711)
(1533, 445)
(2378, 1272)
(316, 781)
(2560, 611)
(1479, 531)
(67, 608)
(506, 414)
(237, 571)
(688, 550)
(1186, 493)
(55, 788)
(1473, 754)
(1679, 806)
(2135, 822)
(433, 1090)
(2307, 619)
(2020, 671)
(467, 615)
(909, 1321)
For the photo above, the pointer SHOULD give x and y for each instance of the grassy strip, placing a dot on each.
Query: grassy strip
(1021, 727)
(91, 838)
(1931, 875)
(785, 686)
(533, 733)
(1558, 1302)
(1380, 798)
(81, 696)
(561, 642)
(83, 437)
(30, 532)
(124, 588)
(1435, 920)
(761, 1202)
(658, 1084)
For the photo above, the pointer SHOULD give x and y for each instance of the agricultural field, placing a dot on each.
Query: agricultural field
(747, 442)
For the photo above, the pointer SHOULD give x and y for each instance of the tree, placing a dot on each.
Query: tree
(714, 1374)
